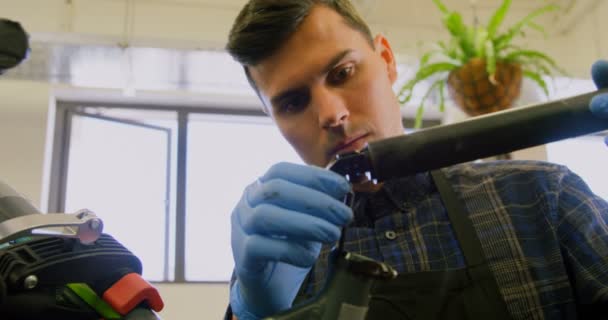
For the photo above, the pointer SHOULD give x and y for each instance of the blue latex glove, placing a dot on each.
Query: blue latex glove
(599, 103)
(278, 228)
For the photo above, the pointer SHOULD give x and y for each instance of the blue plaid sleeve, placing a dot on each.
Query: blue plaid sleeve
(582, 228)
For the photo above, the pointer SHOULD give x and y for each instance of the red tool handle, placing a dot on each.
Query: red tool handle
(131, 290)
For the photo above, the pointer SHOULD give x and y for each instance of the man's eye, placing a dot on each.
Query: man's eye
(340, 75)
(293, 104)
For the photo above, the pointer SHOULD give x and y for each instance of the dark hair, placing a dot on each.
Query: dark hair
(263, 26)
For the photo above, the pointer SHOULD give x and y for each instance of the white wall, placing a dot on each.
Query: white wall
(581, 46)
(24, 108)
(193, 301)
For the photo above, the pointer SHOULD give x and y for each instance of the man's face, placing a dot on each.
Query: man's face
(328, 90)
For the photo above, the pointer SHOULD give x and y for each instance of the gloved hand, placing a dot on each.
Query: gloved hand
(599, 103)
(278, 228)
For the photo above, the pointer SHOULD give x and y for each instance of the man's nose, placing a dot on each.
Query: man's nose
(331, 109)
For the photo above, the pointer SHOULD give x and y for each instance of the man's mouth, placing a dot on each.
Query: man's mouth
(350, 144)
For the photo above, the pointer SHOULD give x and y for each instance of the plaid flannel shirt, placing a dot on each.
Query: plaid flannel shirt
(543, 232)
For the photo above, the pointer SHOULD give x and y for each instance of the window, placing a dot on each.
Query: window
(568, 153)
(225, 154)
(123, 171)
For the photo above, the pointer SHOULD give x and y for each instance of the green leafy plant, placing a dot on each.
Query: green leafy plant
(479, 42)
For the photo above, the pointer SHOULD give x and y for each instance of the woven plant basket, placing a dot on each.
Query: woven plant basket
(475, 93)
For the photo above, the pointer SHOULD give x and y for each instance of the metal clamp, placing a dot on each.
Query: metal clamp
(355, 166)
(83, 224)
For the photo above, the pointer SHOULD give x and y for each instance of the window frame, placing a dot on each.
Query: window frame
(167, 208)
(65, 110)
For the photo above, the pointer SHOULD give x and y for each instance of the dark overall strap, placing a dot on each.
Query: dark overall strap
(484, 299)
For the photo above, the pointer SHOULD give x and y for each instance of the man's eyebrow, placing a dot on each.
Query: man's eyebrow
(286, 93)
(335, 60)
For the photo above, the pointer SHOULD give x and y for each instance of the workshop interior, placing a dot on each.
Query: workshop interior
(128, 134)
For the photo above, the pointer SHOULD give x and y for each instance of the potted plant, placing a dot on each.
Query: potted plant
(479, 66)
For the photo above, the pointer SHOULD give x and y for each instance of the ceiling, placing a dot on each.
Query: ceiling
(205, 23)
(424, 13)
(417, 19)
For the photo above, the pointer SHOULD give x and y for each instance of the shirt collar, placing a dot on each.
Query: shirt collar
(401, 194)
(407, 191)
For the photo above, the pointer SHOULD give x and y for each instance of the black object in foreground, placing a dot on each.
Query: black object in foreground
(14, 44)
(346, 293)
(477, 138)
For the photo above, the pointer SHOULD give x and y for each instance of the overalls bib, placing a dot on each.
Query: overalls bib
(469, 293)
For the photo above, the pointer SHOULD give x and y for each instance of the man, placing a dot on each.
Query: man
(327, 83)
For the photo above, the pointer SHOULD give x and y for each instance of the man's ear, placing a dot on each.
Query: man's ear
(383, 48)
